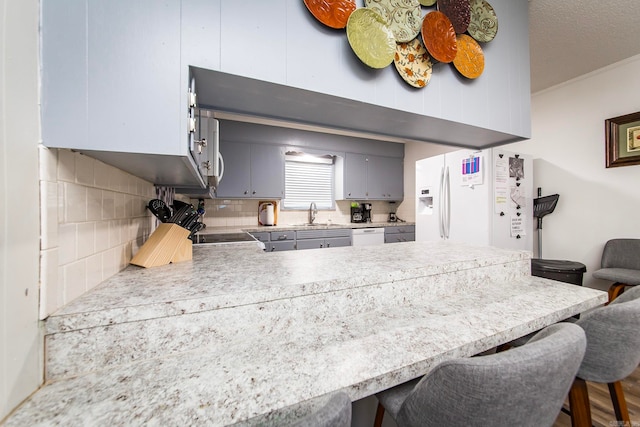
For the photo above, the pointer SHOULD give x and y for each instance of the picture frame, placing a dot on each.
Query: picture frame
(622, 140)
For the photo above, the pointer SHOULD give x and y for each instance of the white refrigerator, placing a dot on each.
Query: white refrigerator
(476, 197)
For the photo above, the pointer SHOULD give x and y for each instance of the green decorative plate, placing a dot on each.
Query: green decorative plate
(404, 17)
(484, 23)
(413, 63)
(427, 2)
(370, 38)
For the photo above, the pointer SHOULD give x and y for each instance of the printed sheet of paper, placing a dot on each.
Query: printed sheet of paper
(501, 184)
(472, 171)
(517, 226)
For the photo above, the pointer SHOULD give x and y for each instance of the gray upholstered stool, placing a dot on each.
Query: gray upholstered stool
(613, 352)
(336, 412)
(620, 264)
(525, 386)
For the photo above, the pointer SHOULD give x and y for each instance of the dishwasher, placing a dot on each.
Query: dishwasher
(367, 236)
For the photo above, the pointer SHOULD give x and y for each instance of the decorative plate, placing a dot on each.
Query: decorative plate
(370, 38)
(484, 22)
(404, 17)
(458, 12)
(332, 13)
(439, 37)
(470, 59)
(413, 63)
(427, 2)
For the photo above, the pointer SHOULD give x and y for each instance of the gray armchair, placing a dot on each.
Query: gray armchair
(525, 386)
(620, 264)
(613, 352)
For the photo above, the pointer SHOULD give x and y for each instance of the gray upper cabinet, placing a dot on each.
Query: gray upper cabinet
(111, 86)
(251, 171)
(368, 177)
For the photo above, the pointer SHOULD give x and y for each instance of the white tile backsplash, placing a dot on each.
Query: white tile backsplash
(93, 216)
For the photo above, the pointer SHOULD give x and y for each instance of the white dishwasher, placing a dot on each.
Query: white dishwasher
(367, 236)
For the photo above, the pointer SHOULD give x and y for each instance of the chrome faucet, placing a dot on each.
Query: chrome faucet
(313, 211)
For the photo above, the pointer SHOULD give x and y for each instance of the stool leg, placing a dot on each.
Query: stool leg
(579, 404)
(619, 402)
(379, 416)
(615, 290)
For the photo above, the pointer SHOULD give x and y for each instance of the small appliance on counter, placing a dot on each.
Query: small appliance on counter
(393, 217)
(356, 213)
(366, 212)
(267, 213)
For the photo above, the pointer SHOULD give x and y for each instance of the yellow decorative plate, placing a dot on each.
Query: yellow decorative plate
(413, 63)
(404, 17)
(370, 38)
(469, 60)
(484, 22)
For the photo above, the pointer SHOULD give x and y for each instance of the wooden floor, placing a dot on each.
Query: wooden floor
(601, 408)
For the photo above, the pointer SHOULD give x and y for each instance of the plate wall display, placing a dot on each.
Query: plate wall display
(404, 17)
(439, 37)
(469, 60)
(427, 2)
(332, 13)
(370, 38)
(484, 22)
(458, 12)
(413, 63)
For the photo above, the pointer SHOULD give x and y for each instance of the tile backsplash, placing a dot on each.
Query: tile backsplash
(244, 213)
(92, 218)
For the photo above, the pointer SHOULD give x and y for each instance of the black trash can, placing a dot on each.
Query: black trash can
(560, 270)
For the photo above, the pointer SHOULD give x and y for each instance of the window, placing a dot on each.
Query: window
(307, 179)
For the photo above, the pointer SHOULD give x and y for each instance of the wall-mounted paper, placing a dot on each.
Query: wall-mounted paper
(472, 171)
(501, 184)
(517, 226)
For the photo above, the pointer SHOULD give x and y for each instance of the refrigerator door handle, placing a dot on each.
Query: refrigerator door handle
(441, 204)
(448, 207)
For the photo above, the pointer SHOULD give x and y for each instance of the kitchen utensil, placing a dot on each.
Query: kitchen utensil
(182, 213)
(194, 229)
(159, 209)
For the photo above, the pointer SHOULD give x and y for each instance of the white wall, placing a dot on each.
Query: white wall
(20, 341)
(596, 204)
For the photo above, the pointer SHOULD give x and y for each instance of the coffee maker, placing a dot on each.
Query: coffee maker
(366, 212)
(356, 212)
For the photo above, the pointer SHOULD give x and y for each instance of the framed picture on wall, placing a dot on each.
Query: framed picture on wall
(622, 140)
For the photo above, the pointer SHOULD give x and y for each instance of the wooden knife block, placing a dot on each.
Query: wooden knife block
(168, 243)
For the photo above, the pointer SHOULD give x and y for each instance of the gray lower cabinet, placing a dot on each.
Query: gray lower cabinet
(277, 240)
(331, 238)
(403, 233)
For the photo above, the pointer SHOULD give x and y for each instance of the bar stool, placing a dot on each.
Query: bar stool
(336, 412)
(524, 386)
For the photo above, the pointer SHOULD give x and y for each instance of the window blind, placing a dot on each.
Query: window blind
(308, 182)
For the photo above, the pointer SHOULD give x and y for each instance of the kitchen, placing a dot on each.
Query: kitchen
(135, 192)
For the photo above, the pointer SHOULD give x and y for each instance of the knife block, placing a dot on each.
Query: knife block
(167, 244)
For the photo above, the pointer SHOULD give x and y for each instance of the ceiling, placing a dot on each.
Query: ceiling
(569, 38)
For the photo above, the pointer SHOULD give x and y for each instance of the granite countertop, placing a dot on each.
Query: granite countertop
(240, 336)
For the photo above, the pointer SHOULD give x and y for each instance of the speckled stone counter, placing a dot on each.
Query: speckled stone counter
(238, 335)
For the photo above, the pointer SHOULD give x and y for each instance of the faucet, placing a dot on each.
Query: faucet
(313, 211)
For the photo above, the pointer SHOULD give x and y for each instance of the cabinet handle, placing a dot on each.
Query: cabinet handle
(273, 248)
(328, 245)
(246, 192)
(321, 245)
(253, 192)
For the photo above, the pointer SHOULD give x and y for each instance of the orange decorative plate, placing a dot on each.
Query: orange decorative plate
(413, 63)
(439, 37)
(332, 13)
(470, 59)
